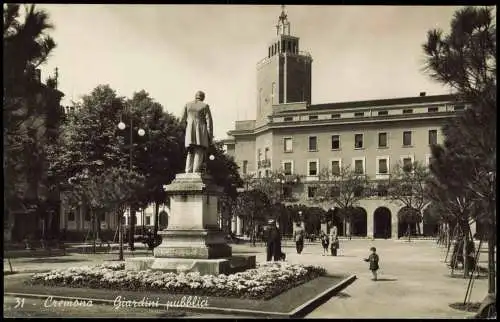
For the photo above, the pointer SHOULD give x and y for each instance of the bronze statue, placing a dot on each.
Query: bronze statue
(199, 132)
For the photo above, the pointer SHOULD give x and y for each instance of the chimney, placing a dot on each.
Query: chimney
(422, 94)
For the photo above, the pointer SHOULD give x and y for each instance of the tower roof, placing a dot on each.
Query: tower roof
(283, 26)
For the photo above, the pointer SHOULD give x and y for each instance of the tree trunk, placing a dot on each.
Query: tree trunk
(94, 220)
(157, 211)
(491, 254)
(465, 252)
(131, 228)
(120, 235)
(409, 232)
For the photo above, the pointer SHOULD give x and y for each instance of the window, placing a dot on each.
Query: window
(359, 114)
(312, 168)
(287, 144)
(266, 152)
(313, 117)
(407, 138)
(335, 167)
(459, 107)
(313, 143)
(287, 167)
(245, 166)
(335, 116)
(358, 141)
(432, 109)
(359, 166)
(407, 164)
(432, 137)
(71, 216)
(259, 154)
(408, 111)
(267, 173)
(335, 142)
(287, 192)
(87, 215)
(335, 192)
(148, 220)
(382, 140)
(383, 113)
(102, 216)
(311, 192)
(382, 166)
(288, 118)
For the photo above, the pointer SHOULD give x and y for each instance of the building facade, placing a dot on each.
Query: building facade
(292, 135)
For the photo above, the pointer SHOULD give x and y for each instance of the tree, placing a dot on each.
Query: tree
(407, 186)
(159, 154)
(104, 191)
(344, 189)
(251, 205)
(26, 46)
(458, 206)
(465, 60)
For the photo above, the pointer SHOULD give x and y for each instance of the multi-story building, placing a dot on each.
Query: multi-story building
(292, 135)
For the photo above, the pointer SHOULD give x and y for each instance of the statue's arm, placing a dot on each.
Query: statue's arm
(210, 124)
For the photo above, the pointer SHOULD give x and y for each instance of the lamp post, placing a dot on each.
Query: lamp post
(141, 133)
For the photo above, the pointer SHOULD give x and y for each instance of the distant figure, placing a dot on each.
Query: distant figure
(325, 241)
(335, 246)
(199, 132)
(298, 236)
(373, 260)
(273, 242)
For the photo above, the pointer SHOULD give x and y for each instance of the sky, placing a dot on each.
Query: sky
(171, 51)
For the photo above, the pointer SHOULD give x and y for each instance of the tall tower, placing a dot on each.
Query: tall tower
(284, 76)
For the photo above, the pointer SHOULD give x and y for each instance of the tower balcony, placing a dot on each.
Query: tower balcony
(304, 54)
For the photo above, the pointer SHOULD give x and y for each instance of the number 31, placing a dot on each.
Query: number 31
(19, 303)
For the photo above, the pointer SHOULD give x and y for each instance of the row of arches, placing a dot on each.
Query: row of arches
(382, 224)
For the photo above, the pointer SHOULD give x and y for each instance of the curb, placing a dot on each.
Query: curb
(298, 312)
(309, 306)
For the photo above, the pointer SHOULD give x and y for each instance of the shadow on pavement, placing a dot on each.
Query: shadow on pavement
(343, 295)
(386, 279)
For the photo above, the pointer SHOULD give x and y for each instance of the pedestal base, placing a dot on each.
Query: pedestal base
(230, 265)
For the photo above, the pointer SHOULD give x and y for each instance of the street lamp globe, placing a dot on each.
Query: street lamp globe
(211, 157)
(141, 132)
(121, 126)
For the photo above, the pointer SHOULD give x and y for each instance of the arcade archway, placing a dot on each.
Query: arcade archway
(382, 223)
(334, 218)
(359, 222)
(408, 219)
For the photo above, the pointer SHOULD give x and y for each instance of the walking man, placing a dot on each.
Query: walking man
(298, 236)
(273, 242)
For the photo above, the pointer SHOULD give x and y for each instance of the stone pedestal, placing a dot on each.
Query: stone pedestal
(193, 240)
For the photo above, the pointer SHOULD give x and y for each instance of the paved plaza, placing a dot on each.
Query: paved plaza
(414, 281)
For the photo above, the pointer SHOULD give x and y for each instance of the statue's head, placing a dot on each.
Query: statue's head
(199, 96)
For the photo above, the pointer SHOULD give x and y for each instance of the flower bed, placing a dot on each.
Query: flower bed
(263, 282)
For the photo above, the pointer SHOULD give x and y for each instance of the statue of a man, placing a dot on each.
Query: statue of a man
(199, 132)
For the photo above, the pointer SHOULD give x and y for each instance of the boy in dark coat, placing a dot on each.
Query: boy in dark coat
(373, 259)
(273, 242)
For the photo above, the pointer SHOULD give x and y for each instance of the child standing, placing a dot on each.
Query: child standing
(325, 242)
(373, 259)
